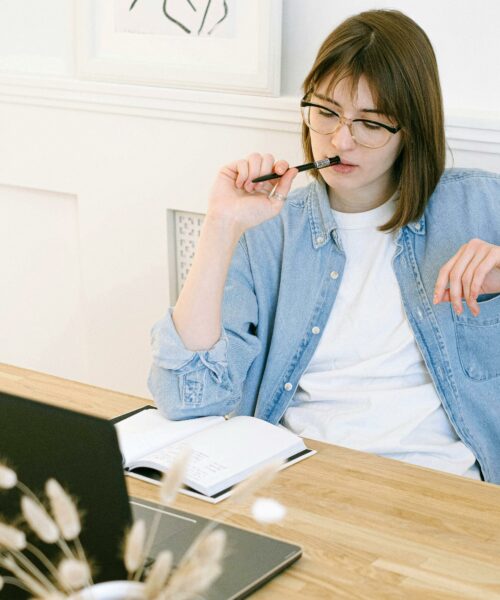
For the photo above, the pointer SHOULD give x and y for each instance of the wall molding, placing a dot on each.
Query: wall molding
(471, 131)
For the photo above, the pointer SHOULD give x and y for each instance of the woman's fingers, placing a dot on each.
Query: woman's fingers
(257, 163)
(460, 275)
(245, 170)
(464, 275)
(242, 173)
(443, 278)
(470, 279)
(484, 268)
(285, 182)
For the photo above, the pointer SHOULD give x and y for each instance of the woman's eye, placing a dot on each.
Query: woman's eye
(371, 126)
(326, 113)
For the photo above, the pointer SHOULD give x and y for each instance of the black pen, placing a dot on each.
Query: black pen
(319, 164)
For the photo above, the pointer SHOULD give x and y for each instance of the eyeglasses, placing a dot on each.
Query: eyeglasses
(365, 132)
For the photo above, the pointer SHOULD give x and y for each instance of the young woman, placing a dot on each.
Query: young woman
(364, 309)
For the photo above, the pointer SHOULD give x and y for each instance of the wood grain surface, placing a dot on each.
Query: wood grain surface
(370, 527)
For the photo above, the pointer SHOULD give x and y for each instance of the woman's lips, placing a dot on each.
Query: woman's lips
(343, 168)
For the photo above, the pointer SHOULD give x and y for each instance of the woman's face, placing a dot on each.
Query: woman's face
(364, 180)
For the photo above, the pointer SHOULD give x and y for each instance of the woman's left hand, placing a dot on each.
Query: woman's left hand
(474, 270)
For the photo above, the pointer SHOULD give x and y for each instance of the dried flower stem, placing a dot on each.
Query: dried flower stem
(30, 582)
(15, 582)
(149, 543)
(170, 486)
(83, 557)
(42, 558)
(33, 570)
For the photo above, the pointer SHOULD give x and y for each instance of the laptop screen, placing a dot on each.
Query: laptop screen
(40, 441)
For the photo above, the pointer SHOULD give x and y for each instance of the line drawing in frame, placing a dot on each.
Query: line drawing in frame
(206, 25)
(239, 53)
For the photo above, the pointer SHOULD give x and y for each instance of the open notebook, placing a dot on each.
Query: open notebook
(223, 451)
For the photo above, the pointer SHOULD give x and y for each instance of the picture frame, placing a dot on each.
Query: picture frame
(235, 47)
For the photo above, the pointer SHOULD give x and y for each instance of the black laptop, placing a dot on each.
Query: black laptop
(40, 441)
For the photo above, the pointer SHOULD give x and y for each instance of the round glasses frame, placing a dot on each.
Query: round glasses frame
(342, 120)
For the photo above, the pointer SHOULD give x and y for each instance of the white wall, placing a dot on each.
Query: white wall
(88, 171)
(464, 36)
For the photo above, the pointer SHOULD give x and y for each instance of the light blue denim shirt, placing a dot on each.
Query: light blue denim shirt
(282, 284)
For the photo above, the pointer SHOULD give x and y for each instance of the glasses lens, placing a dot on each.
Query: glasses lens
(320, 120)
(368, 134)
(325, 121)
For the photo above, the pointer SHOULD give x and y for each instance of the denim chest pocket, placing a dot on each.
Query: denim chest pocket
(478, 339)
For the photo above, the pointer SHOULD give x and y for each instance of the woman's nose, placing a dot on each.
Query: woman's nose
(342, 138)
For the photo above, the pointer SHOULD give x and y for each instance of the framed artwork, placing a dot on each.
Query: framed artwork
(222, 45)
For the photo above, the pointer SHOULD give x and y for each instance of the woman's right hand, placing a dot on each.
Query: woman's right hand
(241, 204)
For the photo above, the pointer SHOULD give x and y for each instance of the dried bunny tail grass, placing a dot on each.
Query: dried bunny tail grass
(8, 478)
(172, 480)
(194, 581)
(257, 480)
(11, 538)
(268, 510)
(160, 572)
(134, 546)
(73, 574)
(200, 569)
(64, 510)
(39, 520)
(210, 547)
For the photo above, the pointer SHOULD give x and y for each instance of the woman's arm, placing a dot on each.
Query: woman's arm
(234, 207)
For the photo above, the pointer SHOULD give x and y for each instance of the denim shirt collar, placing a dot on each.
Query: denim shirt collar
(322, 221)
(417, 227)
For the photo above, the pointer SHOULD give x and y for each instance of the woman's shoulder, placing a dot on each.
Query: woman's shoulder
(468, 185)
(467, 178)
(465, 197)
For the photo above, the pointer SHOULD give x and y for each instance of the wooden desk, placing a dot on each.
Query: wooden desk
(370, 527)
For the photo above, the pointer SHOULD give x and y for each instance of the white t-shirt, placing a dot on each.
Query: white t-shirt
(367, 386)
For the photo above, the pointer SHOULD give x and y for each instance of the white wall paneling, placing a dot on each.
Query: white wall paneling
(93, 173)
(127, 171)
(42, 303)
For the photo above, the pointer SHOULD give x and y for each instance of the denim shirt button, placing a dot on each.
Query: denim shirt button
(320, 239)
(288, 386)
(315, 330)
(334, 274)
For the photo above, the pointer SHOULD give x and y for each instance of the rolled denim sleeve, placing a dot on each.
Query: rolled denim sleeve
(187, 384)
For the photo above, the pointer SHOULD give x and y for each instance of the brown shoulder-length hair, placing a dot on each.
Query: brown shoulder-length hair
(397, 59)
